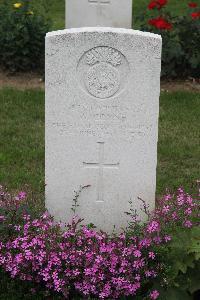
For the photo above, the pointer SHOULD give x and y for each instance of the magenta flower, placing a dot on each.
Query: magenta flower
(22, 195)
(167, 238)
(153, 227)
(174, 216)
(145, 243)
(166, 209)
(157, 240)
(137, 277)
(154, 295)
(17, 227)
(187, 224)
(189, 199)
(152, 255)
(2, 218)
(188, 211)
(180, 199)
(137, 253)
(70, 258)
(167, 197)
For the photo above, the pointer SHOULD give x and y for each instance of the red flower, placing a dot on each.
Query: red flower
(162, 3)
(152, 5)
(160, 23)
(195, 15)
(157, 4)
(192, 4)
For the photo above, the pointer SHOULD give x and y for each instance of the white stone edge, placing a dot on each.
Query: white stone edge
(104, 29)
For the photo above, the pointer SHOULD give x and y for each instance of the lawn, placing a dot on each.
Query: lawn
(22, 140)
(57, 9)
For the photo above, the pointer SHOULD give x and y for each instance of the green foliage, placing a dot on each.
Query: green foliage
(22, 33)
(182, 261)
(11, 289)
(178, 260)
(22, 140)
(181, 55)
(189, 35)
(180, 51)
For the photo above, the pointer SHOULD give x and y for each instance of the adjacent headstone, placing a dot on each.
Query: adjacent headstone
(102, 106)
(110, 13)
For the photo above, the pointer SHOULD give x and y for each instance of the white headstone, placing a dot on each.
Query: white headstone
(110, 13)
(102, 106)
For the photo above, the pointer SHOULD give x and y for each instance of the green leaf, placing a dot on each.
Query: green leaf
(195, 242)
(175, 294)
(194, 276)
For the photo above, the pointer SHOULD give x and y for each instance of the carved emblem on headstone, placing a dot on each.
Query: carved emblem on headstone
(104, 54)
(102, 70)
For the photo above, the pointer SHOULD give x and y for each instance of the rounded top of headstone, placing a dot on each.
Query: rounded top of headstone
(104, 30)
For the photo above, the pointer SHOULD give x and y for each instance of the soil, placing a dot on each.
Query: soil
(24, 81)
(190, 84)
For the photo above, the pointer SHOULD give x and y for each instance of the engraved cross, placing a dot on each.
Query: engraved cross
(100, 165)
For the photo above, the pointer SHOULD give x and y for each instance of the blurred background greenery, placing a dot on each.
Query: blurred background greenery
(56, 9)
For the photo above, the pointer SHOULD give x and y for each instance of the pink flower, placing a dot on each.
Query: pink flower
(22, 195)
(180, 200)
(174, 216)
(189, 200)
(26, 217)
(167, 238)
(187, 224)
(188, 211)
(148, 274)
(2, 218)
(165, 209)
(153, 227)
(154, 295)
(152, 255)
(157, 240)
(167, 197)
(145, 243)
(137, 253)
(93, 263)
(137, 277)
(17, 227)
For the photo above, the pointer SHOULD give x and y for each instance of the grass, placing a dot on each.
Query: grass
(178, 146)
(57, 9)
(22, 140)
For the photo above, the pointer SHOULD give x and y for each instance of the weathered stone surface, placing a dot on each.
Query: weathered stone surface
(111, 13)
(102, 105)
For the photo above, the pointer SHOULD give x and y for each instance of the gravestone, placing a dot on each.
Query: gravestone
(102, 106)
(110, 13)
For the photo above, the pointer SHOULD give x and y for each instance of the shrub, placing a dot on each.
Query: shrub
(22, 37)
(181, 38)
(146, 261)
